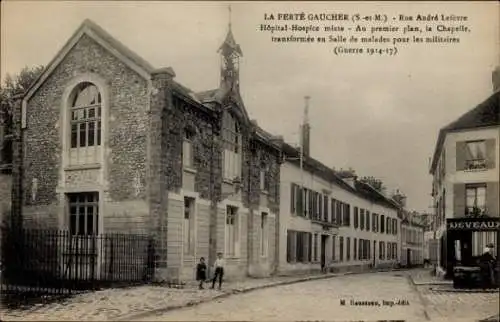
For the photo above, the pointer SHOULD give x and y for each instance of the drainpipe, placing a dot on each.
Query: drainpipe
(212, 245)
(250, 240)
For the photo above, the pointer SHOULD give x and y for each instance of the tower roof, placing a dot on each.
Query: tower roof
(229, 44)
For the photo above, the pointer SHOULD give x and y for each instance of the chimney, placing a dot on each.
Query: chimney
(495, 78)
(399, 198)
(306, 130)
(348, 176)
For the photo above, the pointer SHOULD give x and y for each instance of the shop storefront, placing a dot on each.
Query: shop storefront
(464, 240)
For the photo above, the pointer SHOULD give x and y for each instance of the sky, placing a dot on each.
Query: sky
(379, 115)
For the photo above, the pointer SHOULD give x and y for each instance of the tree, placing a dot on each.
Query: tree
(377, 184)
(11, 86)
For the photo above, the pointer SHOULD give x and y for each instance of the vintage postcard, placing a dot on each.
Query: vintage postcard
(250, 161)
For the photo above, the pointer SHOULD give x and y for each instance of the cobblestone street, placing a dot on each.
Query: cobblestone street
(113, 304)
(315, 300)
(318, 299)
(321, 300)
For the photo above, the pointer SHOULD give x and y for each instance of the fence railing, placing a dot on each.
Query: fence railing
(52, 262)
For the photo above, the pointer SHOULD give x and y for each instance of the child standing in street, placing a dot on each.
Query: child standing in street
(201, 272)
(219, 270)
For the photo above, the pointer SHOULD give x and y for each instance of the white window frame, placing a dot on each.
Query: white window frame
(187, 150)
(232, 152)
(264, 234)
(86, 204)
(232, 236)
(479, 204)
(87, 154)
(473, 159)
(189, 228)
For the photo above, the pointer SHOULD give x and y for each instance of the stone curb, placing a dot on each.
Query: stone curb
(228, 293)
(493, 318)
(433, 283)
(463, 290)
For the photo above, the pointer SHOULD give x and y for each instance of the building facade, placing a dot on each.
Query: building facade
(107, 143)
(465, 170)
(329, 220)
(412, 240)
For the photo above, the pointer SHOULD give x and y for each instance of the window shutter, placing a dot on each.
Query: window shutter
(333, 211)
(490, 154)
(325, 201)
(237, 242)
(320, 206)
(333, 247)
(492, 200)
(309, 245)
(292, 198)
(461, 155)
(459, 199)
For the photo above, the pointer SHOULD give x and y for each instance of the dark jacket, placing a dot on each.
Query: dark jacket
(201, 272)
(487, 258)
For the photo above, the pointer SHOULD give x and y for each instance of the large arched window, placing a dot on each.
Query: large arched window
(231, 136)
(85, 123)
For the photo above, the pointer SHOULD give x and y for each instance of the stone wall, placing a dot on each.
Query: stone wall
(124, 138)
(185, 116)
(5, 195)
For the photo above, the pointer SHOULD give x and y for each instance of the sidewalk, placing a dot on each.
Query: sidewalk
(423, 276)
(443, 303)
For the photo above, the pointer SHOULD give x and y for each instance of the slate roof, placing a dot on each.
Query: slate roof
(360, 189)
(372, 194)
(485, 114)
(230, 44)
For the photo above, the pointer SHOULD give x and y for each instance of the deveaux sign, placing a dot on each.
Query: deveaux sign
(474, 225)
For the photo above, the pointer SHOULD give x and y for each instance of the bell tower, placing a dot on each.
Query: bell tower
(230, 53)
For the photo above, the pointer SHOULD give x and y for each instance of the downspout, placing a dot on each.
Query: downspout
(212, 250)
(277, 197)
(250, 208)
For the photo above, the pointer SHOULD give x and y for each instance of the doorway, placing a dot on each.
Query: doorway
(324, 239)
(408, 257)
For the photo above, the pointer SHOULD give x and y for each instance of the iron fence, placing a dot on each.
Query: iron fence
(53, 262)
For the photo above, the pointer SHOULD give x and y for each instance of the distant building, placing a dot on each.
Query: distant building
(412, 239)
(465, 170)
(331, 220)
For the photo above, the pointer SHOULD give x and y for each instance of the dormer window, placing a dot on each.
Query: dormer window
(231, 136)
(85, 124)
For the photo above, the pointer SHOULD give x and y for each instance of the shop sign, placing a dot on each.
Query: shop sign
(493, 224)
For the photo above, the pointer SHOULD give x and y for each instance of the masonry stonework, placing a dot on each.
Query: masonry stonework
(139, 174)
(126, 141)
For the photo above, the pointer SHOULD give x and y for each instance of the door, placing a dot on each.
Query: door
(81, 258)
(408, 257)
(374, 253)
(324, 239)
